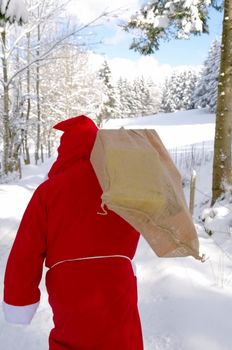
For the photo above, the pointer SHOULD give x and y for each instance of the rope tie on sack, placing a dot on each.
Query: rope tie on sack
(104, 211)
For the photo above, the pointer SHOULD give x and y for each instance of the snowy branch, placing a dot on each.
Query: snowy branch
(57, 43)
(13, 11)
(159, 20)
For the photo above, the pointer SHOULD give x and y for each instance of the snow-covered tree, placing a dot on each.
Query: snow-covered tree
(24, 53)
(155, 95)
(146, 97)
(124, 98)
(108, 108)
(13, 11)
(191, 78)
(178, 90)
(169, 94)
(206, 91)
(78, 89)
(139, 97)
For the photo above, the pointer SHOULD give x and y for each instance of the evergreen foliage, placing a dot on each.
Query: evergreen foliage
(178, 91)
(206, 91)
(108, 107)
(136, 98)
(166, 19)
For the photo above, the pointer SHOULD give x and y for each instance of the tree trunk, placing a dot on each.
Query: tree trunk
(6, 122)
(222, 176)
(37, 147)
(26, 149)
(42, 153)
(49, 148)
(18, 104)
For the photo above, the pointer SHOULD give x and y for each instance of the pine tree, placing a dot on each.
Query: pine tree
(153, 105)
(147, 97)
(206, 91)
(178, 91)
(166, 100)
(124, 98)
(139, 97)
(108, 109)
(190, 78)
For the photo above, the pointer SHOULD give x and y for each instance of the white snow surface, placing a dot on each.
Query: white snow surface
(184, 304)
(175, 129)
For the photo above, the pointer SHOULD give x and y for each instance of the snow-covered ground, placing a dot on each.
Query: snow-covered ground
(184, 304)
(175, 129)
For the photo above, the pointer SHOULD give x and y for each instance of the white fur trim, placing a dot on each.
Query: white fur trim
(19, 314)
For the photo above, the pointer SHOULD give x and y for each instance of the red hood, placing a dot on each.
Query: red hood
(76, 142)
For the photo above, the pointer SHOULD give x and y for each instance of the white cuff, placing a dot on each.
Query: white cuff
(19, 314)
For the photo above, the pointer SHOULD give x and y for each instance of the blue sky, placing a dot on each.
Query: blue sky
(176, 52)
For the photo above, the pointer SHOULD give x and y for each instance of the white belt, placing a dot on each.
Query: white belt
(91, 257)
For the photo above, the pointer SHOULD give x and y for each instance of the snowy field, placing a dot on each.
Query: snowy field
(184, 304)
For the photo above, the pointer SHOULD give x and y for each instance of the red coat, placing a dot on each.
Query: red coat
(94, 301)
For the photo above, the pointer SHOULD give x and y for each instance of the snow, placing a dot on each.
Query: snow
(14, 10)
(167, 14)
(184, 304)
(157, 21)
(175, 129)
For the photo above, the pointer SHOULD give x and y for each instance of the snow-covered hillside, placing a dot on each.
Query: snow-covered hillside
(184, 304)
(175, 129)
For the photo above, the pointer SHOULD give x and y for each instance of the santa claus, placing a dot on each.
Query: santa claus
(91, 285)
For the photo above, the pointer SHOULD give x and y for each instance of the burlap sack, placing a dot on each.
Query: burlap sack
(141, 184)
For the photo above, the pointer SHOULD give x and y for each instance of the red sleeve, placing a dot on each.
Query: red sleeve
(25, 262)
